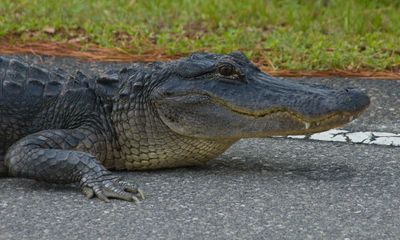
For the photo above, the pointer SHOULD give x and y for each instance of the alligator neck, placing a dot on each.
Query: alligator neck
(147, 143)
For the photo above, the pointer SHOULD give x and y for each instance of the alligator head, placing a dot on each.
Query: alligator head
(214, 96)
(188, 111)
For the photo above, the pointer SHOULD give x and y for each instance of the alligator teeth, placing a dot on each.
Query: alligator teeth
(307, 125)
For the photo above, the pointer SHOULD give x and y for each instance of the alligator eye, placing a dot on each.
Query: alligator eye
(227, 70)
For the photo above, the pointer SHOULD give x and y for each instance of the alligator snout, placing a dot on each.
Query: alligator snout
(316, 102)
(351, 100)
(348, 101)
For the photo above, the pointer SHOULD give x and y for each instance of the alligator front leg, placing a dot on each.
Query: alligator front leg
(51, 156)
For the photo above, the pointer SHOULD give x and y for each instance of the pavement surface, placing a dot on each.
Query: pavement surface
(259, 189)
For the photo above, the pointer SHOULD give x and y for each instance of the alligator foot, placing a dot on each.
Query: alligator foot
(106, 187)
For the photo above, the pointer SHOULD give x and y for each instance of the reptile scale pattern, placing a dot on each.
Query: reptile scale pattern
(64, 127)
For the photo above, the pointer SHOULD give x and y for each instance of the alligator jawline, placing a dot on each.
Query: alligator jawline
(317, 124)
(297, 116)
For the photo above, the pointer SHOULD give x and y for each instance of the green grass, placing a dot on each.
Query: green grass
(283, 34)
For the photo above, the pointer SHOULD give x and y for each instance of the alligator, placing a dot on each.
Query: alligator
(63, 127)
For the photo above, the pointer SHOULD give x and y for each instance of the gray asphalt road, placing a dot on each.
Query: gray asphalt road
(259, 189)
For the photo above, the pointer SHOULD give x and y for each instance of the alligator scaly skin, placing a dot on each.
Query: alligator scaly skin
(73, 128)
(56, 128)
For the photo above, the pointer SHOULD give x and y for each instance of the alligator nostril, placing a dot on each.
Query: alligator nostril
(350, 89)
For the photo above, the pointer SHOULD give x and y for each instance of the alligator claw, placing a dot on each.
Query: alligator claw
(113, 188)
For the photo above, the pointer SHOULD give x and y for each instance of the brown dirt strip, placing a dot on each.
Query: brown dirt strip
(95, 53)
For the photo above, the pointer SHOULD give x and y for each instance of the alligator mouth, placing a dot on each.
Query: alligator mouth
(310, 124)
(319, 124)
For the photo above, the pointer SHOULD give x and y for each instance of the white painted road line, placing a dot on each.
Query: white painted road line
(340, 135)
